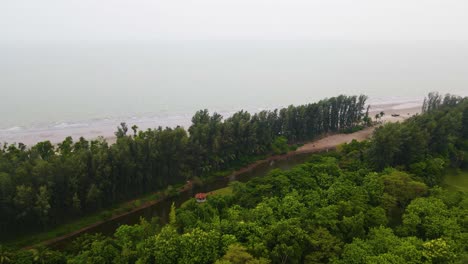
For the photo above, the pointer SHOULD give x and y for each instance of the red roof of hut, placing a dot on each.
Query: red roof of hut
(200, 196)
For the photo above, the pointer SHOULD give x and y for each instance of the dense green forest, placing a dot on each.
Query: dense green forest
(45, 185)
(377, 201)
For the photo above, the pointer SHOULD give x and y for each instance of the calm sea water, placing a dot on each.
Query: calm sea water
(50, 91)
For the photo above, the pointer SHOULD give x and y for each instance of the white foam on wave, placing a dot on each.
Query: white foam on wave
(65, 125)
(394, 100)
(406, 106)
(12, 129)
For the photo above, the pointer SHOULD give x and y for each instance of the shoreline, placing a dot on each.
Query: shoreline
(105, 128)
(327, 142)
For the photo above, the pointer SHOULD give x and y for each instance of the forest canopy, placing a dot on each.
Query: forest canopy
(45, 185)
(377, 201)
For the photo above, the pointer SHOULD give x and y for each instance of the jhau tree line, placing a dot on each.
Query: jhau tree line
(45, 185)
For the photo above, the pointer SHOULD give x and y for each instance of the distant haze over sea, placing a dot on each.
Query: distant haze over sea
(78, 87)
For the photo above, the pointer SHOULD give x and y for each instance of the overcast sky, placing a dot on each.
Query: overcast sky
(44, 21)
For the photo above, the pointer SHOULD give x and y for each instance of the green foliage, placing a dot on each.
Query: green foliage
(430, 139)
(93, 198)
(382, 246)
(172, 215)
(429, 218)
(6, 256)
(280, 145)
(386, 142)
(165, 246)
(355, 128)
(431, 170)
(435, 101)
(122, 130)
(317, 212)
(76, 203)
(42, 204)
(198, 246)
(402, 187)
(323, 246)
(438, 251)
(24, 200)
(465, 123)
(100, 251)
(237, 254)
(42, 255)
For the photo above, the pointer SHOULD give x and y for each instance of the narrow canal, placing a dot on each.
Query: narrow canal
(162, 208)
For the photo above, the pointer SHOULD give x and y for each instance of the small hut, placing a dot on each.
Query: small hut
(201, 197)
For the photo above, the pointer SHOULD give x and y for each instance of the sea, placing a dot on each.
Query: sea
(49, 91)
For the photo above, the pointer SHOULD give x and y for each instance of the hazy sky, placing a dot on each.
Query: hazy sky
(65, 60)
(39, 21)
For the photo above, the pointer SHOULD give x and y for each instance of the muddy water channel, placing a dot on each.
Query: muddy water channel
(161, 209)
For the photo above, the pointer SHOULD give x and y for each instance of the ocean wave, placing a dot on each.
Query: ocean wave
(105, 126)
(393, 100)
(12, 129)
(406, 106)
(65, 125)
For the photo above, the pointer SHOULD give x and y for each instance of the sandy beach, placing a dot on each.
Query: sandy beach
(334, 140)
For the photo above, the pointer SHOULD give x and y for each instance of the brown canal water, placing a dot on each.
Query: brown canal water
(162, 208)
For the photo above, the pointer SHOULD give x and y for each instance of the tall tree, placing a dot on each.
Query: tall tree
(465, 123)
(42, 205)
